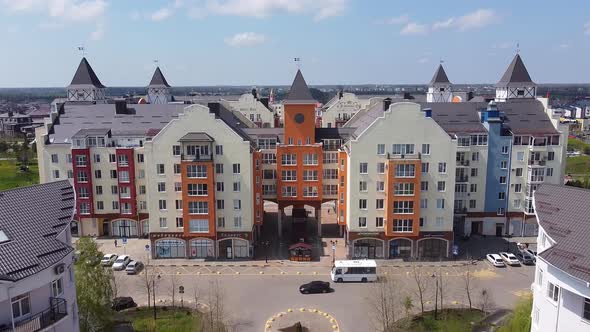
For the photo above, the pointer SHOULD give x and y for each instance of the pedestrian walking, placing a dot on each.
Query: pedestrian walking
(115, 243)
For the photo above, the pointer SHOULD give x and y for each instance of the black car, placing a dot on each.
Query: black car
(315, 287)
(120, 303)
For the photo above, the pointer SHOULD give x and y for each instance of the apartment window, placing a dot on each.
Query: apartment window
(141, 174)
(289, 175)
(99, 205)
(179, 222)
(475, 156)
(269, 158)
(380, 168)
(502, 180)
(197, 189)
(362, 204)
(426, 149)
(479, 139)
(237, 187)
(178, 204)
(380, 186)
(289, 191)
(81, 161)
(142, 205)
(237, 221)
(586, 313)
(177, 187)
(501, 195)
(552, 291)
(399, 149)
(442, 168)
(379, 204)
(425, 167)
(473, 172)
(142, 190)
(362, 185)
(196, 171)
(473, 187)
(549, 172)
(310, 191)
(380, 149)
(236, 168)
(69, 158)
(500, 211)
(379, 222)
(402, 225)
(123, 160)
(198, 226)
(289, 159)
(540, 277)
(140, 158)
(363, 168)
(221, 222)
(424, 186)
(472, 203)
(218, 168)
(309, 175)
(237, 204)
(126, 208)
(112, 158)
(517, 203)
(161, 187)
(114, 190)
(440, 203)
(70, 174)
(85, 208)
(82, 176)
(219, 186)
(113, 173)
(56, 174)
(219, 150)
(220, 204)
(441, 186)
(403, 207)
(125, 192)
(21, 305)
(518, 188)
(115, 205)
(198, 207)
(290, 141)
(504, 164)
(163, 222)
(362, 222)
(403, 189)
(405, 170)
(422, 221)
(550, 155)
(310, 159)
(99, 190)
(162, 204)
(96, 158)
(330, 173)
(424, 203)
(505, 149)
(54, 158)
(160, 169)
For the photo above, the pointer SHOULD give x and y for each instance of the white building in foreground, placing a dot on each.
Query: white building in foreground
(561, 289)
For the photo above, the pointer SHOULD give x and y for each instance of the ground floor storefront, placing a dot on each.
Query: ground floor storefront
(427, 245)
(116, 226)
(513, 224)
(226, 245)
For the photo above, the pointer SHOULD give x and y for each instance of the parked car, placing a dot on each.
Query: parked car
(134, 267)
(495, 260)
(525, 258)
(509, 258)
(120, 303)
(532, 253)
(121, 263)
(315, 287)
(108, 259)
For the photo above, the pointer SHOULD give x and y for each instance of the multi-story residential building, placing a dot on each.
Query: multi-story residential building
(37, 288)
(561, 292)
(254, 108)
(403, 176)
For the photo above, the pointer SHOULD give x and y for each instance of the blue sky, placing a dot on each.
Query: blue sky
(253, 42)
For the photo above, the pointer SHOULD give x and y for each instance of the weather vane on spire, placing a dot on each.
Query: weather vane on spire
(297, 62)
(82, 50)
(157, 62)
(517, 47)
(442, 61)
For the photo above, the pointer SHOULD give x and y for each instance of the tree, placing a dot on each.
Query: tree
(214, 320)
(173, 283)
(383, 304)
(421, 285)
(93, 287)
(468, 285)
(486, 300)
(149, 277)
(441, 288)
(520, 319)
(408, 304)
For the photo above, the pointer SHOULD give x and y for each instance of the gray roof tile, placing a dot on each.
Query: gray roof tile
(158, 79)
(299, 92)
(85, 75)
(516, 74)
(440, 76)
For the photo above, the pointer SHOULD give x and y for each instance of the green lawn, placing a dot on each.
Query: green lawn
(452, 320)
(574, 144)
(579, 166)
(167, 320)
(520, 319)
(12, 177)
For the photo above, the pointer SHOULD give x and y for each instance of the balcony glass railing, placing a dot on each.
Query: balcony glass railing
(57, 310)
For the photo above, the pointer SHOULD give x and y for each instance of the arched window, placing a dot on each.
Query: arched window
(201, 248)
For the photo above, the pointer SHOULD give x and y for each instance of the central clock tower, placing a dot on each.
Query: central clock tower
(299, 114)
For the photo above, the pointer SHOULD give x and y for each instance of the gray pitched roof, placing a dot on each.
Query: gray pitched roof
(31, 218)
(440, 76)
(299, 92)
(516, 74)
(198, 137)
(85, 75)
(158, 79)
(562, 212)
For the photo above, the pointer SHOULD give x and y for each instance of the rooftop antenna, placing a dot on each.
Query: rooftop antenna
(517, 47)
(82, 50)
(297, 62)
(156, 62)
(441, 61)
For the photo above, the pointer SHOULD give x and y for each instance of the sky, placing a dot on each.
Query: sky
(255, 42)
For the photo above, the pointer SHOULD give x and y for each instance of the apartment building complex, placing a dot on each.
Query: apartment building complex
(561, 292)
(37, 286)
(403, 176)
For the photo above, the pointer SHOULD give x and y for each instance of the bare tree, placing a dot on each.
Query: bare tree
(421, 285)
(468, 285)
(196, 296)
(383, 304)
(486, 300)
(215, 320)
(173, 284)
(441, 288)
(148, 279)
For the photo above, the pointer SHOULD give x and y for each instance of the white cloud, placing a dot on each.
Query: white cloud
(71, 10)
(161, 14)
(477, 19)
(245, 39)
(443, 24)
(320, 9)
(414, 28)
(98, 32)
(587, 28)
(402, 19)
(423, 60)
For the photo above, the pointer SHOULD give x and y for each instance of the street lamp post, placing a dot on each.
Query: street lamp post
(435, 298)
(333, 243)
(266, 244)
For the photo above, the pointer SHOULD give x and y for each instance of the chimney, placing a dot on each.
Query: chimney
(255, 93)
(10, 114)
(214, 108)
(408, 96)
(121, 106)
(469, 95)
(386, 104)
(340, 94)
(264, 101)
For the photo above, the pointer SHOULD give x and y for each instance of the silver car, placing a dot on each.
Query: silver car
(134, 267)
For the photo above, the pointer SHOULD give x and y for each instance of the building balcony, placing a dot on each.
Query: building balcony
(197, 157)
(412, 156)
(461, 178)
(462, 163)
(539, 163)
(57, 310)
(460, 210)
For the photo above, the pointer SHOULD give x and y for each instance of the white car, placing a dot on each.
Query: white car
(495, 260)
(108, 259)
(510, 259)
(121, 263)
